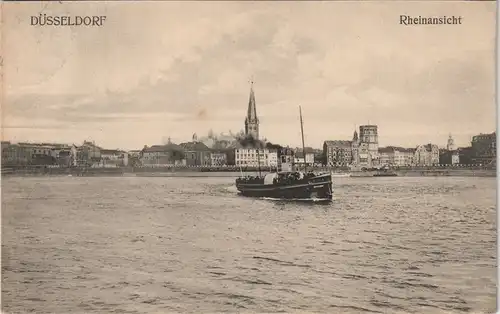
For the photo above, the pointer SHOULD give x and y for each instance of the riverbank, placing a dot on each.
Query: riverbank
(227, 172)
(435, 173)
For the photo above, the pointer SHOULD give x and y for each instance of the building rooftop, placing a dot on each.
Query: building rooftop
(111, 151)
(386, 149)
(389, 149)
(482, 136)
(163, 148)
(309, 150)
(429, 147)
(194, 146)
(299, 154)
(338, 143)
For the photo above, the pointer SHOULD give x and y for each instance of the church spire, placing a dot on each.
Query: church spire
(251, 120)
(252, 109)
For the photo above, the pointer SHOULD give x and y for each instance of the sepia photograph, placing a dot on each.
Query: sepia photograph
(248, 157)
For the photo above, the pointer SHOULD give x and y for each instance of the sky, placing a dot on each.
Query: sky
(170, 69)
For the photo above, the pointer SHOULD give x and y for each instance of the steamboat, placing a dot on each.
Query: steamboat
(288, 183)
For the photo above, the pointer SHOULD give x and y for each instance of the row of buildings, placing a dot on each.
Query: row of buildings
(36, 154)
(363, 152)
(336, 154)
(89, 154)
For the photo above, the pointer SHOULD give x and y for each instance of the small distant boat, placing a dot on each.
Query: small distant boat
(288, 185)
(385, 174)
(340, 175)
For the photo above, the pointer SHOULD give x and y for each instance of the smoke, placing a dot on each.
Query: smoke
(270, 145)
(248, 141)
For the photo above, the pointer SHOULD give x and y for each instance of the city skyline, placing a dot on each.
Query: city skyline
(166, 139)
(132, 88)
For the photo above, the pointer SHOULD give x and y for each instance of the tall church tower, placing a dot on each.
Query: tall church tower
(251, 121)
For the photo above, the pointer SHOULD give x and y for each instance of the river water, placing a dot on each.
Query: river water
(191, 245)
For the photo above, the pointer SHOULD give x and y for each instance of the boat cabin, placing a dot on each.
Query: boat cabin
(287, 177)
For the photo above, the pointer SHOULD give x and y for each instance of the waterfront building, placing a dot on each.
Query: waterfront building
(301, 159)
(162, 155)
(17, 155)
(484, 147)
(23, 154)
(363, 158)
(251, 120)
(134, 158)
(272, 158)
(386, 156)
(5, 144)
(465, 155)
(361, 152)
(88, 154)
(62, 154)
(449, 157)
(404, 157)
(338, 153)
(64, 158)
(396, 156)
(136, 153)
(426, 155)
(318, 156)
(218, 159)
(60, 151)
(250, 157)
(114, 158)
(368, 145)
(196, 154)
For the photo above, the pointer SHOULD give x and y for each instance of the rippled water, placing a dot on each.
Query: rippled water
(130, 245)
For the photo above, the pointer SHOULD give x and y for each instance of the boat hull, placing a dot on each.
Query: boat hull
(319, 187)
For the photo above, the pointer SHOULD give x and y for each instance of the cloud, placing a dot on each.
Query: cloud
(185, 85)
(345, 63)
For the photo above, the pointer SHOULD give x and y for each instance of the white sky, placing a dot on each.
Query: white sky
(159, 69)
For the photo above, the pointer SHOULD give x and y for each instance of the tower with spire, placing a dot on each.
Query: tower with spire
(251, 120)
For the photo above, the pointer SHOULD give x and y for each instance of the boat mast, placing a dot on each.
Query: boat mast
(258, 157)
(303, 145)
